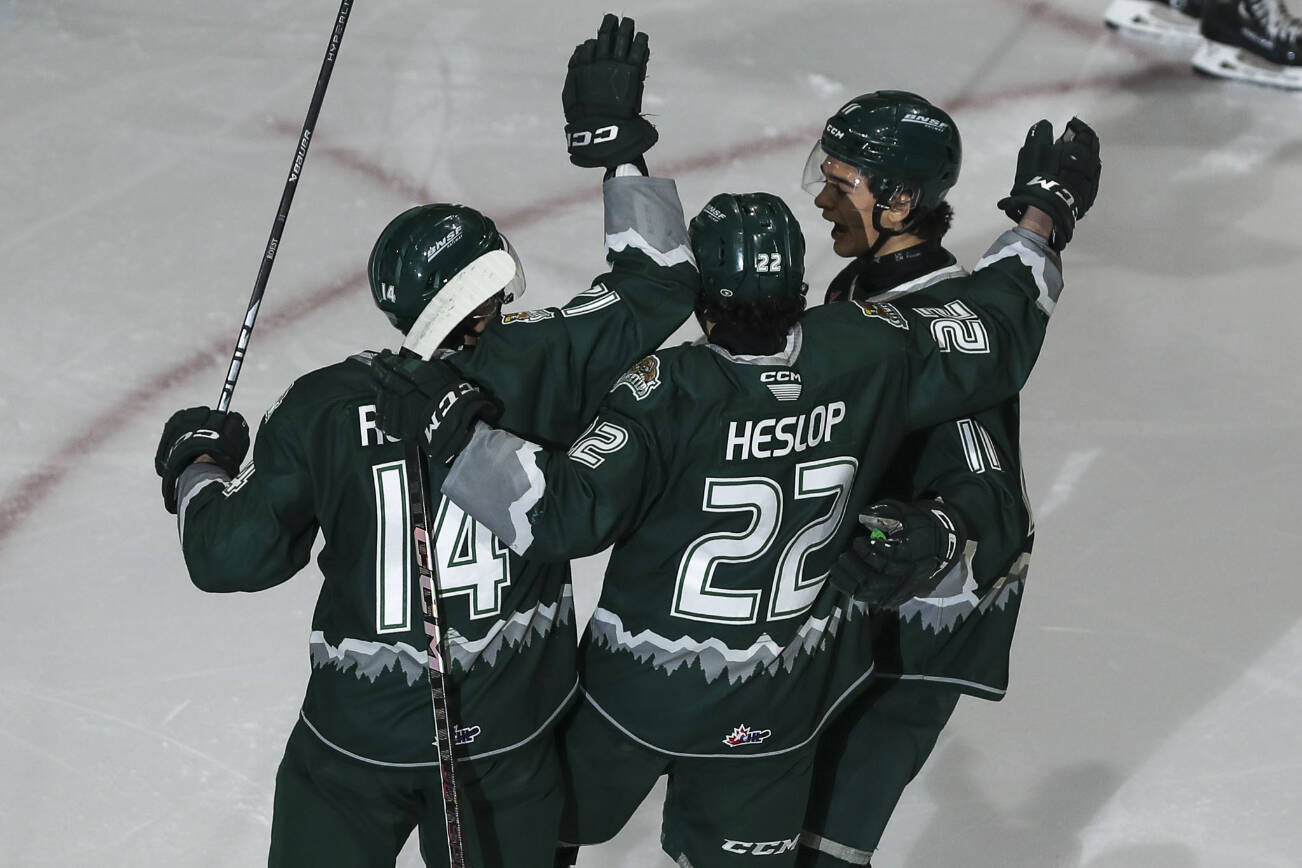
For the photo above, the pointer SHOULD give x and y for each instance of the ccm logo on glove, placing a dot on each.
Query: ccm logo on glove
(444, 407)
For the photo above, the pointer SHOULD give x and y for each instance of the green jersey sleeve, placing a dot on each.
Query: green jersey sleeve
(256, 530)
(561, 504)
(550, 367)
(979, 349)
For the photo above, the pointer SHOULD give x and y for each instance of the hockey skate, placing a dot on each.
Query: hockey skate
(1251, 40)
(1174, 22)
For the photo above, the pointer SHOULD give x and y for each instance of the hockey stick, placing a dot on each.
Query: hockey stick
(472, 286)
(291, 184)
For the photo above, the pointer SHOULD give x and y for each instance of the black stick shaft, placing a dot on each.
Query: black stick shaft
(421, 507)
(291, 184)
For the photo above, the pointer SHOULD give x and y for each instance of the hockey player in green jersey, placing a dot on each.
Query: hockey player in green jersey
(881, 170)
(724, 473)
(360, 770)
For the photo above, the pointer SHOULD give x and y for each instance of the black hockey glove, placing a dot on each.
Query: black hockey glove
(197, 431)
(428, 401)
(904, 552)
(602, 98)
(1059, 177)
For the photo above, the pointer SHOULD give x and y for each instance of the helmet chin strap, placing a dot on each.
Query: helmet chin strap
(883, 234)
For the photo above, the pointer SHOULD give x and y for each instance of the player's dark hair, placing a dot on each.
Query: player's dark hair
(754, 327)
(933, 225)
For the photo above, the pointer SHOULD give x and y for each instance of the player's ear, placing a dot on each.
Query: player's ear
(895, 216)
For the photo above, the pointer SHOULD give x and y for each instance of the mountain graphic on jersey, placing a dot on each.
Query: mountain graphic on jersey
(947, 608)
(712, 656)
(368, 659)
(963, 640)
(517, 631)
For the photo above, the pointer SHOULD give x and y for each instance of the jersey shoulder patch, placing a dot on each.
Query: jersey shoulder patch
(642, 379)
(527, 316)
(882, 310)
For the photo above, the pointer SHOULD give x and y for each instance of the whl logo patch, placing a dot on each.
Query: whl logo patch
(743, 734)
(466, 734)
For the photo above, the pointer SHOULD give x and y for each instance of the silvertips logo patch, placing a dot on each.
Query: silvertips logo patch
(641, 379)
(526, 316)
(880, 310)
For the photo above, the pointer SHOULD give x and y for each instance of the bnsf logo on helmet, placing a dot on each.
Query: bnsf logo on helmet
(713, 213)
(758, 848)
(935, 123)
(442, 244)
(583, 138)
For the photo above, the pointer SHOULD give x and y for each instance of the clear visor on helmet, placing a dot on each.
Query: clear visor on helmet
(822, 170)
(514, 290)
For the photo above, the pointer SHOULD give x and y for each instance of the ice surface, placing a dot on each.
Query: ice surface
(1153, 716)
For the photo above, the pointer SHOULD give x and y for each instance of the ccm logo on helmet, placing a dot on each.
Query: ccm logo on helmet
(595, 137)
(758, 848)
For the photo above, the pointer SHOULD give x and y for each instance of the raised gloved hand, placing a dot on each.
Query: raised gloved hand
(428, 401)
(1059, 177)
(602, 98)
(197, 431)
(904, 552)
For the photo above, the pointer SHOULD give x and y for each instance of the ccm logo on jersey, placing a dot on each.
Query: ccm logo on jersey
(758, 848)
(785, 385)
(773, 438)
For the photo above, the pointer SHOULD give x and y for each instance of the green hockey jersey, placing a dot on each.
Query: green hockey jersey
(320, 464)
(961, 635)
(728, 485)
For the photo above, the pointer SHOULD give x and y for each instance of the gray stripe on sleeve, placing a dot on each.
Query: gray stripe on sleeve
(496, 479)
(1035, 253)
(645, 213)
(197, 476)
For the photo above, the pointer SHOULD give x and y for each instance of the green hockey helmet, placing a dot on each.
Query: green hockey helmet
(899, 141)
(422, 249)
(748, 246)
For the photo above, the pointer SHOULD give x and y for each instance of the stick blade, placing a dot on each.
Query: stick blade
(473, 285)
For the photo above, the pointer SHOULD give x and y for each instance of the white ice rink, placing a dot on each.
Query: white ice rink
(1155, 714)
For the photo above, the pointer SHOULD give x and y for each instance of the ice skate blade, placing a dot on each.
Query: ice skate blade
(1154, 21)
(1226, 61)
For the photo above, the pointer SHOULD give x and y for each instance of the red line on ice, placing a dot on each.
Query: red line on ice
(33, 488)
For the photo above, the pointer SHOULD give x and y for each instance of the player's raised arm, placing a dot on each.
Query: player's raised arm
(979, 349)
(553, 365)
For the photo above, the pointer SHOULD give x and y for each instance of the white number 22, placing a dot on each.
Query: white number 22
(790, 594)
